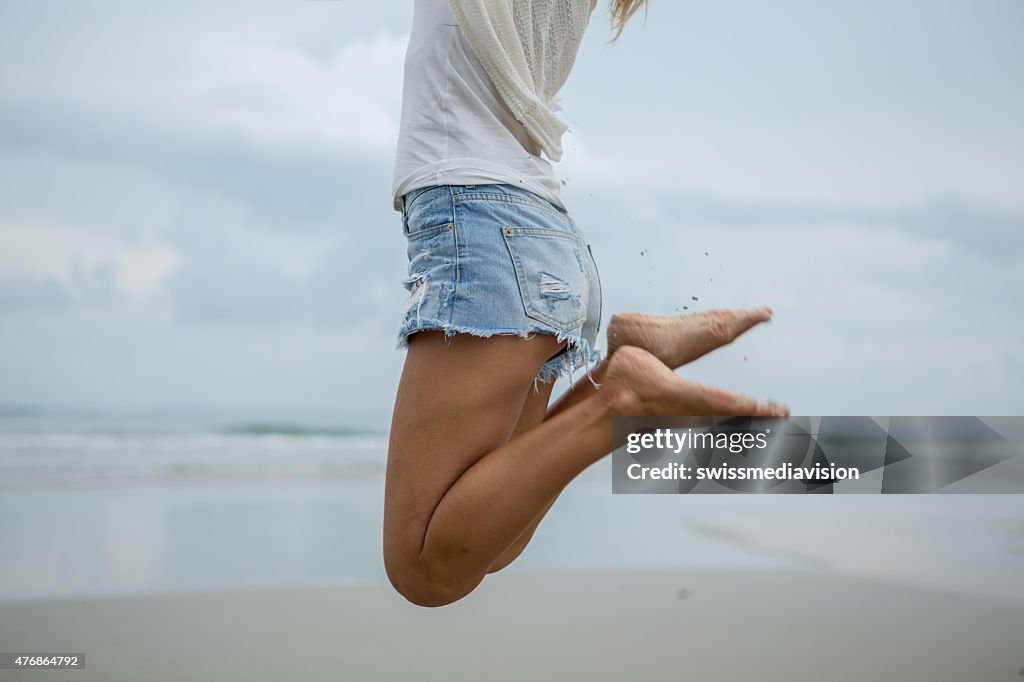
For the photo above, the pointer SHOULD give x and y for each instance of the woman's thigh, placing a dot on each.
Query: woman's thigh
(458, 399)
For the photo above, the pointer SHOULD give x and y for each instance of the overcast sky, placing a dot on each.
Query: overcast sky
(195, 198)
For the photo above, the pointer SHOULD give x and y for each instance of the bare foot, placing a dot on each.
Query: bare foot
(639, 384)
(679, 339)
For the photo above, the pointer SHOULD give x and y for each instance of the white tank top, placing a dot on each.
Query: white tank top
(455, 129)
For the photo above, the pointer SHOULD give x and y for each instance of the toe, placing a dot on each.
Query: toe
(719, 402)
(742, 321)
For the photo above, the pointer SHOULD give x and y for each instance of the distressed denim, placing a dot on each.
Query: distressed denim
(496, 259)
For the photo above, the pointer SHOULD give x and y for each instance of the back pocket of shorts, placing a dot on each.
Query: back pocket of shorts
(550, 270)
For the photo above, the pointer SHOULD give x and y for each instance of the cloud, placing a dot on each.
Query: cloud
(266, 96)
(252, 278)
(992, 232)
(199, 197)
(263, 124)
(582, 164)
(851, 103)
(86, 266)
(31, 293)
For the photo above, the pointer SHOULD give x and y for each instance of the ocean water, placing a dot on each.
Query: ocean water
(113, 504)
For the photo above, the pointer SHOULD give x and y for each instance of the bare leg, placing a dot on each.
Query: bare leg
(534, 412)
(459, 493)
(675, 340)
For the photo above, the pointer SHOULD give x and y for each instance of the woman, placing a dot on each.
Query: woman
(504, 296)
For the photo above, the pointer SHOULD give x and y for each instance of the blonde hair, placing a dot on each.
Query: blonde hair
(621, 11)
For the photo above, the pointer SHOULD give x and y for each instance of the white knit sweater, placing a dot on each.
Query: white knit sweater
(527, 48)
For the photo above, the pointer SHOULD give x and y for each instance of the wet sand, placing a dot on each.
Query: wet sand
(666, 625)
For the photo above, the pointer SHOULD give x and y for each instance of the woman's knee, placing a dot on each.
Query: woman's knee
(426, 583)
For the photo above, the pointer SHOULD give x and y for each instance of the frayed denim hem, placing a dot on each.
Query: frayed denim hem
(577, 354)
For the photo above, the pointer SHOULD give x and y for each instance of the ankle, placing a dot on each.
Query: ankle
(621, 391)
(619, 400)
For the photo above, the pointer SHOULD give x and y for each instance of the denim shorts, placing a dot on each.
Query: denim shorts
(496, 259)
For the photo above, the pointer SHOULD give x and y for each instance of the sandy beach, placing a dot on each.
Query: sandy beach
(774, 625)
(199, 553)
